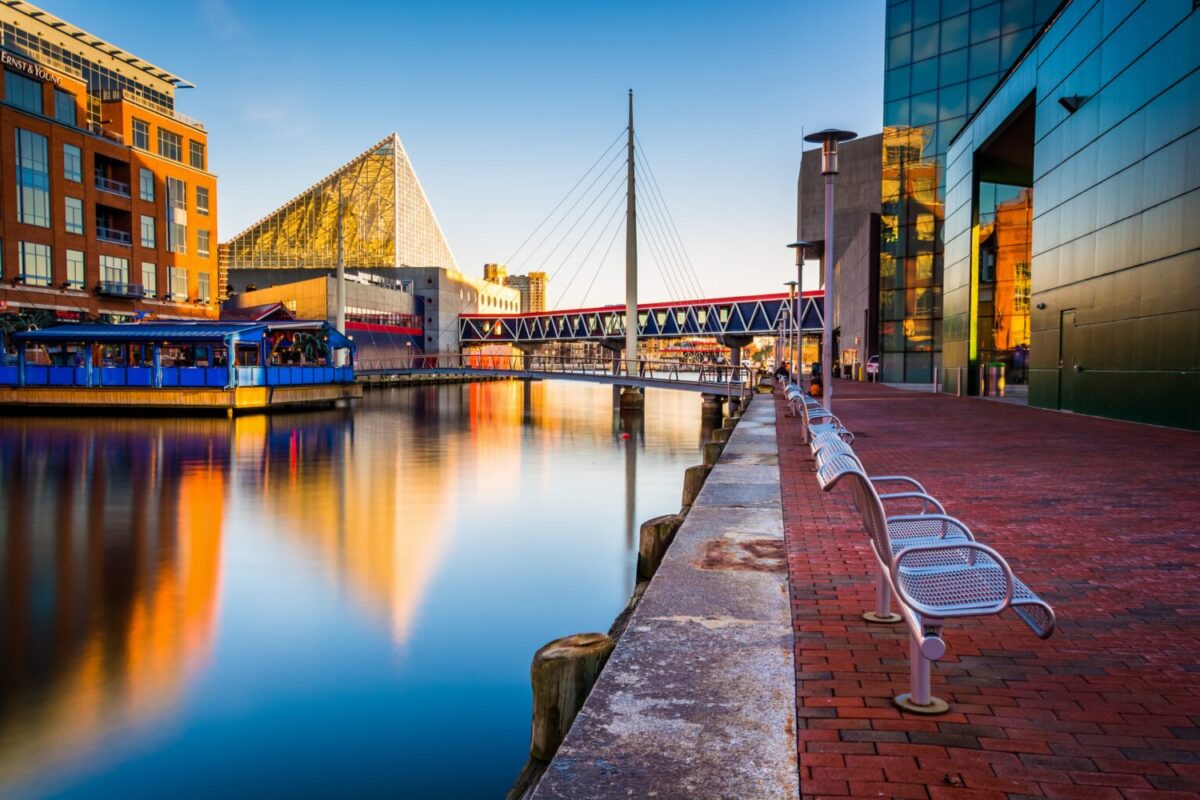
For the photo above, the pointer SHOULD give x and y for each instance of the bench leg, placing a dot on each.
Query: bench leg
(919, 698)
(883, 614)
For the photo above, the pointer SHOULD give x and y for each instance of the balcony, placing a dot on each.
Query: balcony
(118, 95)
(114, 289)
(111, 185)
(112, 235)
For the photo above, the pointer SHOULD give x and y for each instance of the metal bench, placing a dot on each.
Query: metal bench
(935, 578)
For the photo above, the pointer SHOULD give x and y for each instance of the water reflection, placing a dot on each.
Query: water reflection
(335, 589)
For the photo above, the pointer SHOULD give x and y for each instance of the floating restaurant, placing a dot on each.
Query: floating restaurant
(229, 366)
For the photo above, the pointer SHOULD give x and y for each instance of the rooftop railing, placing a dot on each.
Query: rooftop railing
(117, 95)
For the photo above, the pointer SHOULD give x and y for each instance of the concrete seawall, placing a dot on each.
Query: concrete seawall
(698, 698)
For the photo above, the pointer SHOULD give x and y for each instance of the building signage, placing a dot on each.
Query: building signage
(30, 68)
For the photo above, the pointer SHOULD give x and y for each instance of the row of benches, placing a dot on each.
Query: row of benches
(929, 561)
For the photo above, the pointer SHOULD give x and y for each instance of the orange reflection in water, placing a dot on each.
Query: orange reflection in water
(111, 559)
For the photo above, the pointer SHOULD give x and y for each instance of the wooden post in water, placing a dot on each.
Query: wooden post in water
(712, 453)
(693, 481)
(654, 538)
(563, 673)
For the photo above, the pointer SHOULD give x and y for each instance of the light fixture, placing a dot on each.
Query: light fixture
(1071, 102)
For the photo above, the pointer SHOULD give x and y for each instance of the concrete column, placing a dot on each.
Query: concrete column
(632, 399)
(712, 409)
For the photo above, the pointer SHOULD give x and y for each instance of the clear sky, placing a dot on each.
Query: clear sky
(503, 105)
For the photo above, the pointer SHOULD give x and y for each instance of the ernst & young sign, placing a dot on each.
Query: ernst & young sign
(30, 68)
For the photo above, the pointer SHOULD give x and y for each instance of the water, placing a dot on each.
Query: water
(333, 603)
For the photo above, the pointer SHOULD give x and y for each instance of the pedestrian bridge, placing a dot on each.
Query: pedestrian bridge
(727, 317)
(708, 379)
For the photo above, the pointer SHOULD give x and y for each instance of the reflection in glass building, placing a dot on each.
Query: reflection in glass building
(942, 59)
(386, 221)
(1071, 250)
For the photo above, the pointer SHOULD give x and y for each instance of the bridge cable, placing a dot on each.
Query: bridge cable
(571, 191)
(670, 217)
(583, 215)
(616, 209)
(670, 257)
(670, 245)
(596, 272)
(661, 263)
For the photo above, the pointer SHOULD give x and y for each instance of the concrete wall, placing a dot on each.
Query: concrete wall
(1116, 193)
(446, 294)
(856, 234)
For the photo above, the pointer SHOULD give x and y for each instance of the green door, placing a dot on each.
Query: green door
(1067, 374)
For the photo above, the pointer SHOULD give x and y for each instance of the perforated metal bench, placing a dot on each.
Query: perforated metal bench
(935, 578)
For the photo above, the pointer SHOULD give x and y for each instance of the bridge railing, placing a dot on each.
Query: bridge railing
(722, 376)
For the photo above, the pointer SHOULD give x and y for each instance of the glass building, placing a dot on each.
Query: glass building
(386, 222)
(942, 59)
(1072, 253)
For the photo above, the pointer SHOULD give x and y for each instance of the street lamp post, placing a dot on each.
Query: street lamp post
(828, 139)
(801, 248)
(793, 342)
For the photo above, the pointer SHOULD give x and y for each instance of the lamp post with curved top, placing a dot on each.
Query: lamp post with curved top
(801, 248)
(828, 139)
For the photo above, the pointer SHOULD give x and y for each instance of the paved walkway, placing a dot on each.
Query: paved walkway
(1102, 518)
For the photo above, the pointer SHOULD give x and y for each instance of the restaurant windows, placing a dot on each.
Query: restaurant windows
(141, 134)
(35, 264)
(176, 215)
(202, 243)
(74, 214)
(177, 277)
(72, 163)
(170, 145)
(148, 231)
(64, 107)
(196, 154)
(146, 184)
(33, 179)
(202, 200)
(22, 92)
(75, 269)
(149, 278)
(114, 269)
(202, 287)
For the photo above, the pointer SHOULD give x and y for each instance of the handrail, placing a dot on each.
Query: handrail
(719, 376)
(107, 184)
(112, 235)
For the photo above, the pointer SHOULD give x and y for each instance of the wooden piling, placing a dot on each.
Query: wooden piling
(721, 435)
(654, 538)
(712, 452)
(693, 481)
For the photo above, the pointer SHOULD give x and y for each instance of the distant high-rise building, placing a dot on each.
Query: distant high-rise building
(532, 288)
(495, 273)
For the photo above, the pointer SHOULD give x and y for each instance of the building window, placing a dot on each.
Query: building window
(74, 269)
(202, 243)
(74, 217)
(176, 215)
(114, 269)
(147, 231)
(146, 184)
(177, 277)
(141, 134)
(23, 92)
(170, 145)
(72, 163)
(202, 292)
(196, 153)
(149, 279)
(64, 107)
(202, 200)
(33, 179)
(35, 264)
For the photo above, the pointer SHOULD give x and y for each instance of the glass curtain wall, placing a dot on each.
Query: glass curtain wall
(1005, 254)
(942, 58)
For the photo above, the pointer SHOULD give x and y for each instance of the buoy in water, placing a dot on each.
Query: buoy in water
(624, 435)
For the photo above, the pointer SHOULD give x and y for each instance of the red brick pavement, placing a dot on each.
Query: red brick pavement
(1101, 518)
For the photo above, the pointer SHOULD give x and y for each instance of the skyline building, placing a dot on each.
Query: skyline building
(387, 223)
(110, 209)
(532, 288)
(941, 61)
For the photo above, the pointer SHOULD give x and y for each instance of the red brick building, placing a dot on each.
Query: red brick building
(107, 208)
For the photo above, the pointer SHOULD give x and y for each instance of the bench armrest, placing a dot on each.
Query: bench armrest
(913, 482)
(926, 500)
(962, 572)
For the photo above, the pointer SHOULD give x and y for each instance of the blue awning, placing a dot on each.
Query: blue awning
(179, 332)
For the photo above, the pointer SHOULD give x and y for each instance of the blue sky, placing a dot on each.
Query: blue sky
(503, 105)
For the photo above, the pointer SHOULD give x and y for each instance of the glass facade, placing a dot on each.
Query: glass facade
(64, 107)
(141, 134)
(942, 58)
(24, 93)
(170, 145)
(73, 218)
(114, 269)
(177, 277)
(147, 228)
(36, 263)
(149, 279)
(33, 179)
(1005, 220)
(75, 269)
(387, 221)
(176, 215)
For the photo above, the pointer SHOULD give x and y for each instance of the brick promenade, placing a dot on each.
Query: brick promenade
(1101, 518)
